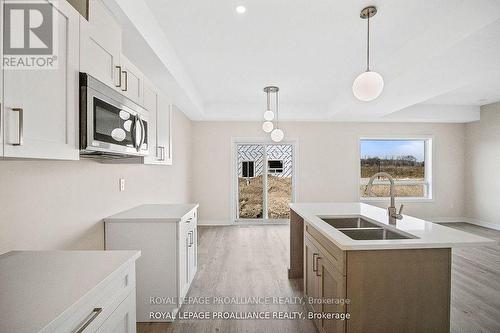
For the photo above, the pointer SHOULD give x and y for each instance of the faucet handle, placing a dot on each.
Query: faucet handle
(401, 209)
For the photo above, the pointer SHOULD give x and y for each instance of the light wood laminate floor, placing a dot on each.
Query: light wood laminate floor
(246, 261)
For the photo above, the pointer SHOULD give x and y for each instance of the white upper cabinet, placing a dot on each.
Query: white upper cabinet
(1, 84)
(100, 44)
(40, 105)
(164, 129)
(131, 81)
(159, 129)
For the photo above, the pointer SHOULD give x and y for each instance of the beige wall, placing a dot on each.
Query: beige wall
(60, 204)
(483, 166)
(327, 163)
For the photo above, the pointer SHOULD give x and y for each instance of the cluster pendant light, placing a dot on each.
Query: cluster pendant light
(368, 85)
(269, 116)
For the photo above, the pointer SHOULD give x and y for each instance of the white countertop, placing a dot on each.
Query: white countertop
(153, 213)
(38, 286)
(430, 235)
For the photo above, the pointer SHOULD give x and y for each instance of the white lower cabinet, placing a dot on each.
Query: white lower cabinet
(123, 320)
(166, 235)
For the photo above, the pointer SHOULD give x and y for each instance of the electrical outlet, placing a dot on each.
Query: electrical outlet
(122, 184)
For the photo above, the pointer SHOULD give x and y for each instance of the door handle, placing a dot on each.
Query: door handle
(143, 133)
(136, 142)
(21, 126)
(119, 84)
(126, 81)
(314, 261)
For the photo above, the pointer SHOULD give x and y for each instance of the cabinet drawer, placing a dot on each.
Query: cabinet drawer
(190, 217)
(336, 255)
(94, 308)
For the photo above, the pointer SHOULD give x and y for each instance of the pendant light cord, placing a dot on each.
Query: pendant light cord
(277, 108)
(368, 46)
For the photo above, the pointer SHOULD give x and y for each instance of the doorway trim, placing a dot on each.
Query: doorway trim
(234, 179)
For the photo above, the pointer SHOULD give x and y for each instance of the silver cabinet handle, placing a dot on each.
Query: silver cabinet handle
(126, 81)
(119, 84)
(317, 266)
(21, 126)
(162, 150)
(90, 318)
(192, 239)
(315, 262)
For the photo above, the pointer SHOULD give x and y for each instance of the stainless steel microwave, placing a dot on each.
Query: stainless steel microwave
(111, 125)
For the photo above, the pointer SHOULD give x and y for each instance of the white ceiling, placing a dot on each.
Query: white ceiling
(438, 58)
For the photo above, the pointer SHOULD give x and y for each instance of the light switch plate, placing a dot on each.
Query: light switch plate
(122, 184)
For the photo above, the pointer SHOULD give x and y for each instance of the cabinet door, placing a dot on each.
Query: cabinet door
(122, 320)
(1, 84)
(311, 259)
(131, 81)
(100, 45)
(183, 260)
(41, 105)
(164, 130)
(194, 253)
(331, 285)
(150, 97)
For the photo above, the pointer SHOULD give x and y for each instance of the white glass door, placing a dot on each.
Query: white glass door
(264, 182)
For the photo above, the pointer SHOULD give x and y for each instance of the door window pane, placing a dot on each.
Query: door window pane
(279, 180)
(250, 181)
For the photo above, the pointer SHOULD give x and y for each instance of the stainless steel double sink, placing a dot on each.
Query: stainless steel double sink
(359, 228)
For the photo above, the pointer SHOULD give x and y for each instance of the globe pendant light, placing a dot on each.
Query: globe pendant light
(276, 133)
(368, 85)
(267, 126)
(269, 114)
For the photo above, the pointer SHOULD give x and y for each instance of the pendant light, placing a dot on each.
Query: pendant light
(368, 85)
(276, 133)
(269, 114)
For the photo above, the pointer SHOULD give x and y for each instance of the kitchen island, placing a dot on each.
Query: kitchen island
(383, 277)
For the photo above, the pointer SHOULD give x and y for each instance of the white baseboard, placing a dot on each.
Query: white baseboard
(225, 223)
(214, 223)
(466, 220)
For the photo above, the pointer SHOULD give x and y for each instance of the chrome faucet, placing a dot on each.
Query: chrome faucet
(393, 216)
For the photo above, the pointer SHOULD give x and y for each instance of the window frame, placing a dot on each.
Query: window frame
(428, 171)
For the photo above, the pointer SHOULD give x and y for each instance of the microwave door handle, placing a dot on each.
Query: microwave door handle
(143, 134)
(133, 132)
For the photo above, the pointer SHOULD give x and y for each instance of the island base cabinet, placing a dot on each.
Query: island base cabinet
(322, 281)
(331, 285)
(404, 290)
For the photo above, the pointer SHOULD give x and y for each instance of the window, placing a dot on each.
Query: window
(275, 166)
(247, 168)
(406, 160)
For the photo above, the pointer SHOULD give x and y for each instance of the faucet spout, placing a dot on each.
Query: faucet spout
(393, 215)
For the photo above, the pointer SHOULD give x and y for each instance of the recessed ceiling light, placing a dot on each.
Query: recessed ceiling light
(241, 9)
